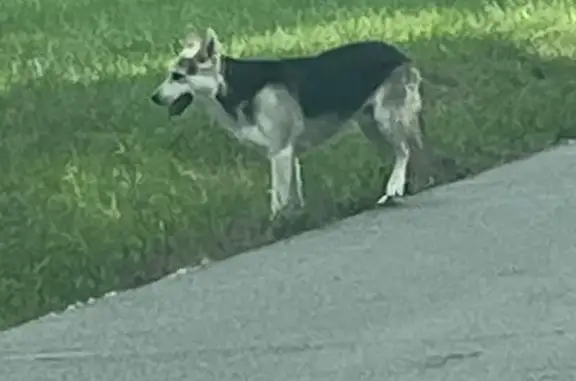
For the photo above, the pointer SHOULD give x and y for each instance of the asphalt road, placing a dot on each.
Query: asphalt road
(472, 281)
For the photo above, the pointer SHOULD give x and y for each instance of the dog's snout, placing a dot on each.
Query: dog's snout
(156, 98)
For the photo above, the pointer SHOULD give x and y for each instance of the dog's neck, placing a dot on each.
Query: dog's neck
(241, 81)
(227, 105)
(232, 71)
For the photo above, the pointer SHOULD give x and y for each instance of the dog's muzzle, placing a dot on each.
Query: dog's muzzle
(155, 98)
(180, 104)
(177, 107)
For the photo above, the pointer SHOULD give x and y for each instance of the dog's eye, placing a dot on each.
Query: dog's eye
(177, 77)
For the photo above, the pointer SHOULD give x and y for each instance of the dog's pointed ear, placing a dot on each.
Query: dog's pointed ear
(176, 45)
(211, 43)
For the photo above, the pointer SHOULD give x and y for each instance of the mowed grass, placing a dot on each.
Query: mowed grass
(99, 191)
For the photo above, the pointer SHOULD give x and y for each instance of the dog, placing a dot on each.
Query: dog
(287, 106)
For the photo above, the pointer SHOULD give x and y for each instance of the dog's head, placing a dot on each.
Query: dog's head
(196, 71)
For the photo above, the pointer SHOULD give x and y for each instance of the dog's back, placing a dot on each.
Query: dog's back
(336, 82)
(339, 81)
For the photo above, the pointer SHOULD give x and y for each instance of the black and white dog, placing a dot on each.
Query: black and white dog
(288, 106)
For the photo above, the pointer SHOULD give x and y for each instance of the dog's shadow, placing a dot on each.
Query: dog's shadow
(314, 216)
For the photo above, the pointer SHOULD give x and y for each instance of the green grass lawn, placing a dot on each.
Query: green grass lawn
(98, 191)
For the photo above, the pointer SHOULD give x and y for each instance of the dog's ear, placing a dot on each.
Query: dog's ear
(192, 45)
(192, 40)
(176, 45)
(211, 45)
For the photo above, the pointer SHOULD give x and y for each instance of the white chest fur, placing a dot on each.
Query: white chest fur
(239, 127)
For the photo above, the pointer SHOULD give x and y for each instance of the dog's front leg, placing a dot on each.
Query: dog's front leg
(283, 171)
(298, 185)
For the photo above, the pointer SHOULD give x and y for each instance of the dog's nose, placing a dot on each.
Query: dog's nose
(156, 98)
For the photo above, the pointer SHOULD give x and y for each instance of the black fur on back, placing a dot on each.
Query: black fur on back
(336, 82)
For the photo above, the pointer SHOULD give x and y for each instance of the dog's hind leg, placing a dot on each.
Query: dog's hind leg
(396, 184)
(396, 111)
(380, 133)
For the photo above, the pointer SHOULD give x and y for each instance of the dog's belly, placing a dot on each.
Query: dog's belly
(315, 133)
(318, 131)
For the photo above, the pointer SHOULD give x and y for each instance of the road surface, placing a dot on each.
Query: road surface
(472, 281)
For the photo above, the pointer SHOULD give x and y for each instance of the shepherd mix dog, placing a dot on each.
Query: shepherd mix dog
(288, 106)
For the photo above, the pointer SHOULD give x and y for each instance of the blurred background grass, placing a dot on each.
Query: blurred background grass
(98, 191)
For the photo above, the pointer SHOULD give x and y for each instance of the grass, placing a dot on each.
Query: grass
(97, 192)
